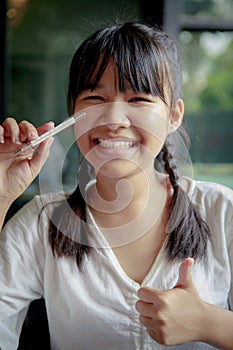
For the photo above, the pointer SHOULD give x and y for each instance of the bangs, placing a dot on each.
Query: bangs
(124, 47)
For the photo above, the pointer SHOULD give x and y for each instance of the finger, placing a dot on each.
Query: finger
(40, 156)
(1, 134)
(11, 130)
(148, 294)
(185, 280)
(45, 127)
(153, 328)
(27, 131)
(154, 334)
(145, 309)
(146, 321)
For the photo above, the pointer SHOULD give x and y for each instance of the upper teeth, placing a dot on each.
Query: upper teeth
(115, 143)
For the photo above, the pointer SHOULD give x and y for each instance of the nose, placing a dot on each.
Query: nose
(115, 116)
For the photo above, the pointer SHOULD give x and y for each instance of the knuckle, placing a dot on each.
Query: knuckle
(164, 337)
(25, 123)
(145, 321)
(137, 304)
(27, 128)
(10, 123)
(164, 302)
(8, 120)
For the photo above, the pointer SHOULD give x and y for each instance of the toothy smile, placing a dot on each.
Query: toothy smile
(115, 143)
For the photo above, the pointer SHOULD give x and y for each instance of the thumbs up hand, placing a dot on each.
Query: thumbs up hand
(185, 280)
(173, 316)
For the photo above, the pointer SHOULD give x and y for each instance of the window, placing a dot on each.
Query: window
(41, 39)
(205, 31)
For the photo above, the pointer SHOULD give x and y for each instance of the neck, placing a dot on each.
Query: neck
(128, 216)
(128, 197)
(135, 187)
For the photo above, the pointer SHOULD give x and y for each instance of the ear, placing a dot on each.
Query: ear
(177, 114)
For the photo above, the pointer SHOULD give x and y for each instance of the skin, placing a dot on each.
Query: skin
(17, 172)
(173, 316)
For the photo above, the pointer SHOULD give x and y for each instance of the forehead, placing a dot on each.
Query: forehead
(110, 75)
(109, 80)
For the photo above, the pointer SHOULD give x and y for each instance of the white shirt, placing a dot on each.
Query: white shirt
(95, 309)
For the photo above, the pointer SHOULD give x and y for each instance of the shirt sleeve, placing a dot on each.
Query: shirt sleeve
(22, 257)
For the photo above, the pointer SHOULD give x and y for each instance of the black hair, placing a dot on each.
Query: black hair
(149, 60)
(143, 55)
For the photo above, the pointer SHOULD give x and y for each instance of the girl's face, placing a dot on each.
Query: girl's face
(122, 132)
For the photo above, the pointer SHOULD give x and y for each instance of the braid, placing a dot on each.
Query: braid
(70, 218)
(188, 232)
(170, 168)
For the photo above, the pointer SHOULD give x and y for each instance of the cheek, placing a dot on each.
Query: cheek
(156, 145)
(87, 149)
(154, 127)
(151, 147)
(82, 142)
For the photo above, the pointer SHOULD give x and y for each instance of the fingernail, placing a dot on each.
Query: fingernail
(1, 139)
(33, 134)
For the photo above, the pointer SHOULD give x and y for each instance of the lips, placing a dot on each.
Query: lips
(115, 143)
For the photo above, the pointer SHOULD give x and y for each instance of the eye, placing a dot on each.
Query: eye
(93, 97)
(139, 99)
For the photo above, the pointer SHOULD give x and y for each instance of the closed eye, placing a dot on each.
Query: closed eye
(140, 99)
(93, 97)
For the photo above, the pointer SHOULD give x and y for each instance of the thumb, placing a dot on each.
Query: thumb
(185, 280)
(41, 155)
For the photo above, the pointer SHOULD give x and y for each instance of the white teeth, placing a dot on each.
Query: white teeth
(115, 143)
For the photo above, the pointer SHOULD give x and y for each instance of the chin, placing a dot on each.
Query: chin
(120, 169)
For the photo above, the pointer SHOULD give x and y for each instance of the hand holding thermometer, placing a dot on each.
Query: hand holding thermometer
(62, 126)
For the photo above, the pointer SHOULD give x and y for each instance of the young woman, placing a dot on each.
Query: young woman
(136, 257)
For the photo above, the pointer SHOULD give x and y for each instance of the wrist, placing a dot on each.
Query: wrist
(4, 207)
(217, 327)
(6, 201)
(206, 326)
